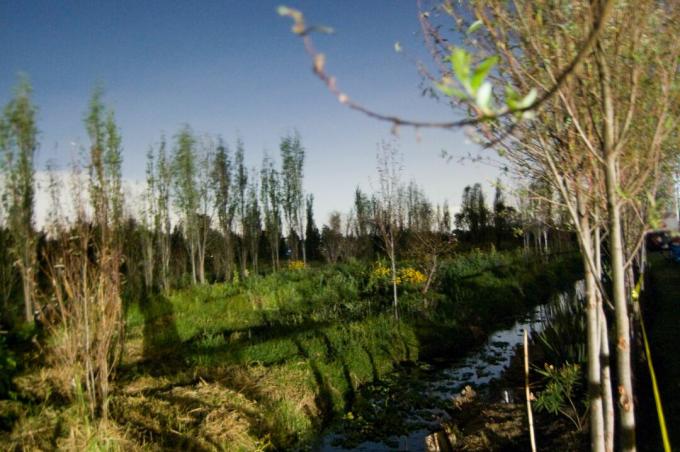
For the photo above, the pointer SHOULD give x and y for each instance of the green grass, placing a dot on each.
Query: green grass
(271, 360)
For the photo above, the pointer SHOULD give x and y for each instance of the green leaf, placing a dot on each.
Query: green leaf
(460, 63)
(528, 100)
(511, 97)
(450, 90)
(483, 98)
(476, 25)
(481, 72)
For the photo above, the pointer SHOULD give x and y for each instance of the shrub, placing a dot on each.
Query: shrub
(560, 395)
(8, 367)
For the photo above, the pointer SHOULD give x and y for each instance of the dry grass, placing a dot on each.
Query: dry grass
(201, 414)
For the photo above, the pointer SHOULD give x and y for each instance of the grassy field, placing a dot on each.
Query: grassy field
(267, 362)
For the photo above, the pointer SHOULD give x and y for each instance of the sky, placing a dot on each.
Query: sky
(232, 68)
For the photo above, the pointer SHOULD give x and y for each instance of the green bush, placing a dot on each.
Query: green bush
(8, 367)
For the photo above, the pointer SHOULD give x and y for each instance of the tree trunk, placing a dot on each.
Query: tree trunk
(228, 256)
(244, 255)
(593, 336)
(201, 254)
(605, 369)
(27, 286)
(430, 276)
(605, 362)
(394, 278)
(623, 353)
(166, 262)
(192, 258)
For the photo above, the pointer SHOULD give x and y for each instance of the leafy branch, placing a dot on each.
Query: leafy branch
(474, 89)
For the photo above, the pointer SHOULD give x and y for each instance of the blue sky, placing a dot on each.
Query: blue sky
(233, 68)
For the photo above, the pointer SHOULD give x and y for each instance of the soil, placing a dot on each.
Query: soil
(487, 423)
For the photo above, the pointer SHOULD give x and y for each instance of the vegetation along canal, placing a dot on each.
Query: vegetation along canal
(404, 409)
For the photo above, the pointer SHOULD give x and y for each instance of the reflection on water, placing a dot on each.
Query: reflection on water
(415, 401)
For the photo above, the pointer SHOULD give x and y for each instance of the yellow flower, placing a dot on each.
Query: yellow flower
(380, 271)
(296, 265)
(412, 276)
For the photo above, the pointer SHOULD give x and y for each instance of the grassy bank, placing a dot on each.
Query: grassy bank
(269, 361)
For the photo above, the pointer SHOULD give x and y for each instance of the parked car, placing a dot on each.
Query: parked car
(658, 241)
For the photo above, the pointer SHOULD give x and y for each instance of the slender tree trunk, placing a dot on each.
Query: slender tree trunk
(430, 276)
(597, 440)
(27, 286)
(254, 253)
(616, 251)
(192, 258)
(227, 256)
(244, 255)
(201, 257)
(394, 278)
(607, 397)
(165, 250)
(605, 361)
(623, 353)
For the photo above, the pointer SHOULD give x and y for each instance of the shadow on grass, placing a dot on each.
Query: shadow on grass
(160, 327)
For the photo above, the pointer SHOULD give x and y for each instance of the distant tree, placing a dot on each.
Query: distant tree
(163, 230)
(428, 236)
(253, 221)
(332, 238)
(222, 176)
(292, 162)
(363, 223)
(500, 213)
(241, 200)
(205, 198)
(18, 143)
(446, 218)
(388, 200)
(186, 192)
(270, 197)
(149, 216)
(313, 238)
(474, 215)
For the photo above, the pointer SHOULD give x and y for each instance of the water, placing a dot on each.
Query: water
(403, 410)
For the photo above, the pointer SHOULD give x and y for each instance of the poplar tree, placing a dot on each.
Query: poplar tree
(292, 162)
(163, 229)
(224, 205)
(241, 201)
(253, 221)
(332, 239)
(18, 143)
(149, 214)
(312, 236)
(386, 212)
(270, 196)
(186, 193)
(205, 200)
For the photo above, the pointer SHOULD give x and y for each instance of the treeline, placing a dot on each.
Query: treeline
(205, 216)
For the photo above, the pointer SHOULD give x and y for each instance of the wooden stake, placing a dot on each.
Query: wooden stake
(528, 392)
